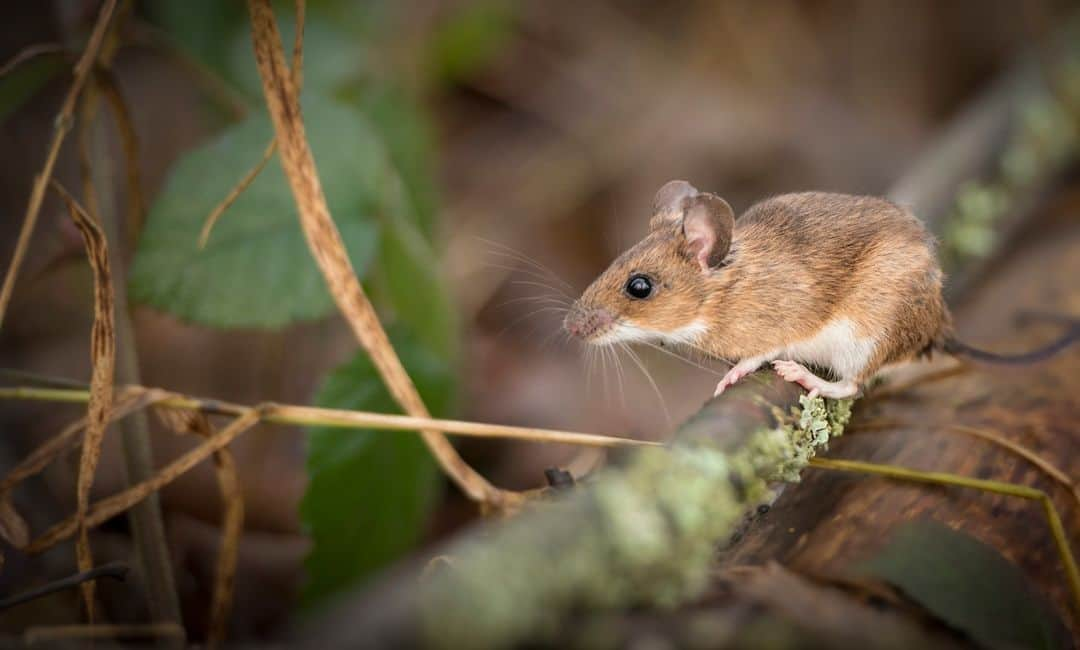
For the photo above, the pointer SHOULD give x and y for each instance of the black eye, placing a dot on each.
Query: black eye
(639, 287)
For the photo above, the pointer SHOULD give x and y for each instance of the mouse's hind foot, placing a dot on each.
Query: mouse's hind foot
(799, 374)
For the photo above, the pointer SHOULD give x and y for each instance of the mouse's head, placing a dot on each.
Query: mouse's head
(656, 289)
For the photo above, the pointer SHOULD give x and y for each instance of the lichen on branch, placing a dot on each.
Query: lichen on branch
(641, 534)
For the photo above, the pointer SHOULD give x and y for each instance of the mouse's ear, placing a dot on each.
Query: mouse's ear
(668, 206)
(707, 226)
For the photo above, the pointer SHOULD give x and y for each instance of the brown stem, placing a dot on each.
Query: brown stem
(326, 246)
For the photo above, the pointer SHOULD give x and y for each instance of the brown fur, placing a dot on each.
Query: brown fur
(796, 262)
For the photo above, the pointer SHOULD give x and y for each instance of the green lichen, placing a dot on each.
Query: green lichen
(643, 534)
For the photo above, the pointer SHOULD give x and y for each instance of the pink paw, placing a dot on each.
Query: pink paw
(729, 380)
(737, 372)
(798, 374)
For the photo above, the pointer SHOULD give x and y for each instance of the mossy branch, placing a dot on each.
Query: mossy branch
(642, 534)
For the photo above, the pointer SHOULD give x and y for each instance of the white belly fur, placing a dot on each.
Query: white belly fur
(836, 347)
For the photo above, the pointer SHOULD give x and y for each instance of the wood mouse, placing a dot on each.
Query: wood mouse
(844, 283)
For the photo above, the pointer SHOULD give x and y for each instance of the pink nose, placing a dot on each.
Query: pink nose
(586, 323)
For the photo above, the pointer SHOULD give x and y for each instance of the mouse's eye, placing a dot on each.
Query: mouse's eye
(639, 286)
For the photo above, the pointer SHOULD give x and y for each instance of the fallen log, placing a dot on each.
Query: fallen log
(631, 553)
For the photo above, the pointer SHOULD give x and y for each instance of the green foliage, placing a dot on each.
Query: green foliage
(968, 585)
(410, 142)
(373, 141)
(256, 270)
(413, 284)
(369, 493)
(333, 57)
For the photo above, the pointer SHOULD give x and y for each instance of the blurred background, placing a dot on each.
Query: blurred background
(484, 160)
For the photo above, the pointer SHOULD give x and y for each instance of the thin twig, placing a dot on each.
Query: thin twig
(1051, 470)
(328, 249)
(60, 130)
(1035, 459)
(314, 416)
(125, 402)
(232, 521)
(129, 138)
(235, 192)
(28, 53)
(1057, 530)
(96, 167)
(103, 362)
(111, 506)
(116, 570)
(232, 527)
(297, 70)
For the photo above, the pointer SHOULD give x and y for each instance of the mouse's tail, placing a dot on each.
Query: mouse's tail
(960, 349)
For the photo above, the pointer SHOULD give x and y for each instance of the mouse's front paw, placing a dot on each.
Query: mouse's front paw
(737, 372)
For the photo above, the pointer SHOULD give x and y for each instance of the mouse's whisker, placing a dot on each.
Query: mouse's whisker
(535, 299)
(537, 270)
(622, 385)
(552, 336)
(590, 362)
(703, 352)
(681, 358)
(619, 375)
(604, 352)
(506, 251)
(534, 283)
(542, 280)
(656, 389)
(524, 317)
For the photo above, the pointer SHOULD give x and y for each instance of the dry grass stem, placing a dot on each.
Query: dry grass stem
(61, 127)
(125, 402)
(324, 240)
(118, 503)
(129, 140)
(314, 416)
(29, 53)
(297, 70)
(103, 362)
(232, 524)
(1051, 470)
(13, 528)
(1053, 519)
(235, 192)
(1032, 457)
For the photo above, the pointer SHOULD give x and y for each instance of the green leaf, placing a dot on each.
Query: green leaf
(407, 133)
(369, 493)
(336, 65)
(332, 55)
(256, 269)
(412, 282)
(967, 584)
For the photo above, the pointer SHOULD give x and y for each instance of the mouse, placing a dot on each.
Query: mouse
(840, 283)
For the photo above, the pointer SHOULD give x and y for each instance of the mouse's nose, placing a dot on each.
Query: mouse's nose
(586, 323)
